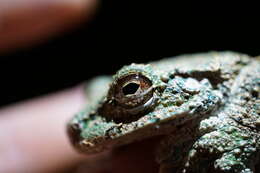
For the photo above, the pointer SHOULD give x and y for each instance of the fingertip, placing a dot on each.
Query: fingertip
(33, 133)
(28, 22)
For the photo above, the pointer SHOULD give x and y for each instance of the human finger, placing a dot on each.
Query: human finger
(26, 22)
(33, 135)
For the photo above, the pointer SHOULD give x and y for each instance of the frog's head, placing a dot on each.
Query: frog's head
(141, 102)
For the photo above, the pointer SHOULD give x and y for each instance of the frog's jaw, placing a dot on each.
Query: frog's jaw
(104, 135)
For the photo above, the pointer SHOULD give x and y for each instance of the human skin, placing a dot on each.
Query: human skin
(32, 133)
(33, 139)
(24, 23)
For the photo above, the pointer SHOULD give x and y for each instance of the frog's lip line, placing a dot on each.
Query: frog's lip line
(120, 140)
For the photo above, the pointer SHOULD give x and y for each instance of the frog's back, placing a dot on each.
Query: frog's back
(229, 137)
(226, 62)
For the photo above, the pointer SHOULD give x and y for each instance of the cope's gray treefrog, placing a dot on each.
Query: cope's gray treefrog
(206, 106)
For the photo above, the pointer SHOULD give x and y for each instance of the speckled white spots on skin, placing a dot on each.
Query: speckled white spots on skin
(205, 109)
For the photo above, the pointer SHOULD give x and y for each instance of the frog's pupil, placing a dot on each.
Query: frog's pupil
(130, 88)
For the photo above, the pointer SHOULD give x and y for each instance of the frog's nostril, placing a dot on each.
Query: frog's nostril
(130, 88)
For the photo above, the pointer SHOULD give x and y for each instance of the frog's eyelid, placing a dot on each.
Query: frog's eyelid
(142, 107)
(139, 95)
(133, 81)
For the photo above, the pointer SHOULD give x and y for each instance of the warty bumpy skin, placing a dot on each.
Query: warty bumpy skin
(206, 106)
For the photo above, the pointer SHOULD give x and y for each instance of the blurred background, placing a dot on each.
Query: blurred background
(121, 33)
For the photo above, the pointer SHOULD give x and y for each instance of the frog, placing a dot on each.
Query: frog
(205, 108)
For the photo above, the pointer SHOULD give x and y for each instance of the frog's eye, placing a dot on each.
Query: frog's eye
(128, 96)
(132, 90)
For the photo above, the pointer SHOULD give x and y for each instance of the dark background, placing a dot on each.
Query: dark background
(126, 31)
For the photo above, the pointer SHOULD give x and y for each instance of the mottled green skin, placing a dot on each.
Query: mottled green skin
(207, 107)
